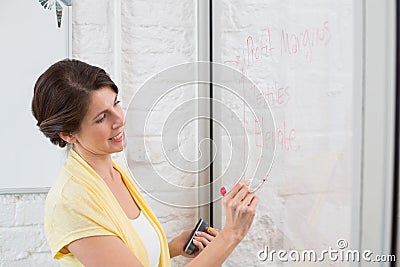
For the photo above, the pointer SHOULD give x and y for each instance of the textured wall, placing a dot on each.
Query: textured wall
(22, 241)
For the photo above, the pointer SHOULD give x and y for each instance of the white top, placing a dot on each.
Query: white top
(149, 238)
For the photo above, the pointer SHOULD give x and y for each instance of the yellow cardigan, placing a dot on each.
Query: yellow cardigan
(80, 205)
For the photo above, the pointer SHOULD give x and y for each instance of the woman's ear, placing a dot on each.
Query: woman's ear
(67, 137)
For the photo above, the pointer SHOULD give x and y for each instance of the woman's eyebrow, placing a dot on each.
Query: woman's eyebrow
(104, 111)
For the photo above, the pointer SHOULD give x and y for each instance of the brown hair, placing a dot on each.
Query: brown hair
(61, 96)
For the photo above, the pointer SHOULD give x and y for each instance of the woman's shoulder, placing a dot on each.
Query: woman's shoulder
(64, 190)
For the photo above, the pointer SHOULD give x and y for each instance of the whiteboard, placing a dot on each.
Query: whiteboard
(30, 43)
(301, 56)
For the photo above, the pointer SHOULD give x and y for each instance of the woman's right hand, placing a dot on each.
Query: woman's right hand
(240, 206)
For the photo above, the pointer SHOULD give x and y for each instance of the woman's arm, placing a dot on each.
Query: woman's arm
(240, 206)
(103, 251)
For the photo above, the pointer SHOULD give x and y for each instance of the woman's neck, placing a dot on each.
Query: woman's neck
(101, 163)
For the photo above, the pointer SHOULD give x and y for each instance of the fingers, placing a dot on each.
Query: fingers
(232, 193)
(248, 199)
(251, 206)
(244, 202)
(243, 192)
(205, 236)
(254, 202)
(240, 206)
(198, 244)
(238, 189)
(202, 239)
(240, 195)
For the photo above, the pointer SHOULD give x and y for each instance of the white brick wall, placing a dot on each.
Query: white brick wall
(22, 241)
(156, 35)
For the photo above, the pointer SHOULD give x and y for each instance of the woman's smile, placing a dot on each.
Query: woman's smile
(118, 138)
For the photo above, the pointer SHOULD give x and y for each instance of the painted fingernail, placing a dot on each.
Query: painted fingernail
(222, 190)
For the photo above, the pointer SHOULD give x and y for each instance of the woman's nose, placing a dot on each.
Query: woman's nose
(119, 121)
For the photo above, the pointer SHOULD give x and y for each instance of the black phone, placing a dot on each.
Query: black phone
(189, 247)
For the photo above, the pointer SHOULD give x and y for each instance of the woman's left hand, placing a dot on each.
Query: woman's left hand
(201, 240)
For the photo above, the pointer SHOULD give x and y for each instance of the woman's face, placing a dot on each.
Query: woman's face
(102, 128)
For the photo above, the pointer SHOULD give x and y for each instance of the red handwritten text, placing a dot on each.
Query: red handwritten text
(305, 41)
(283, 137)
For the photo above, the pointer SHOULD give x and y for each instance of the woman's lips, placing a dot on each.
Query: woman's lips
(118, 137)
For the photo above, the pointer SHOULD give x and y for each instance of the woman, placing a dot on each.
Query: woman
(95, 215)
